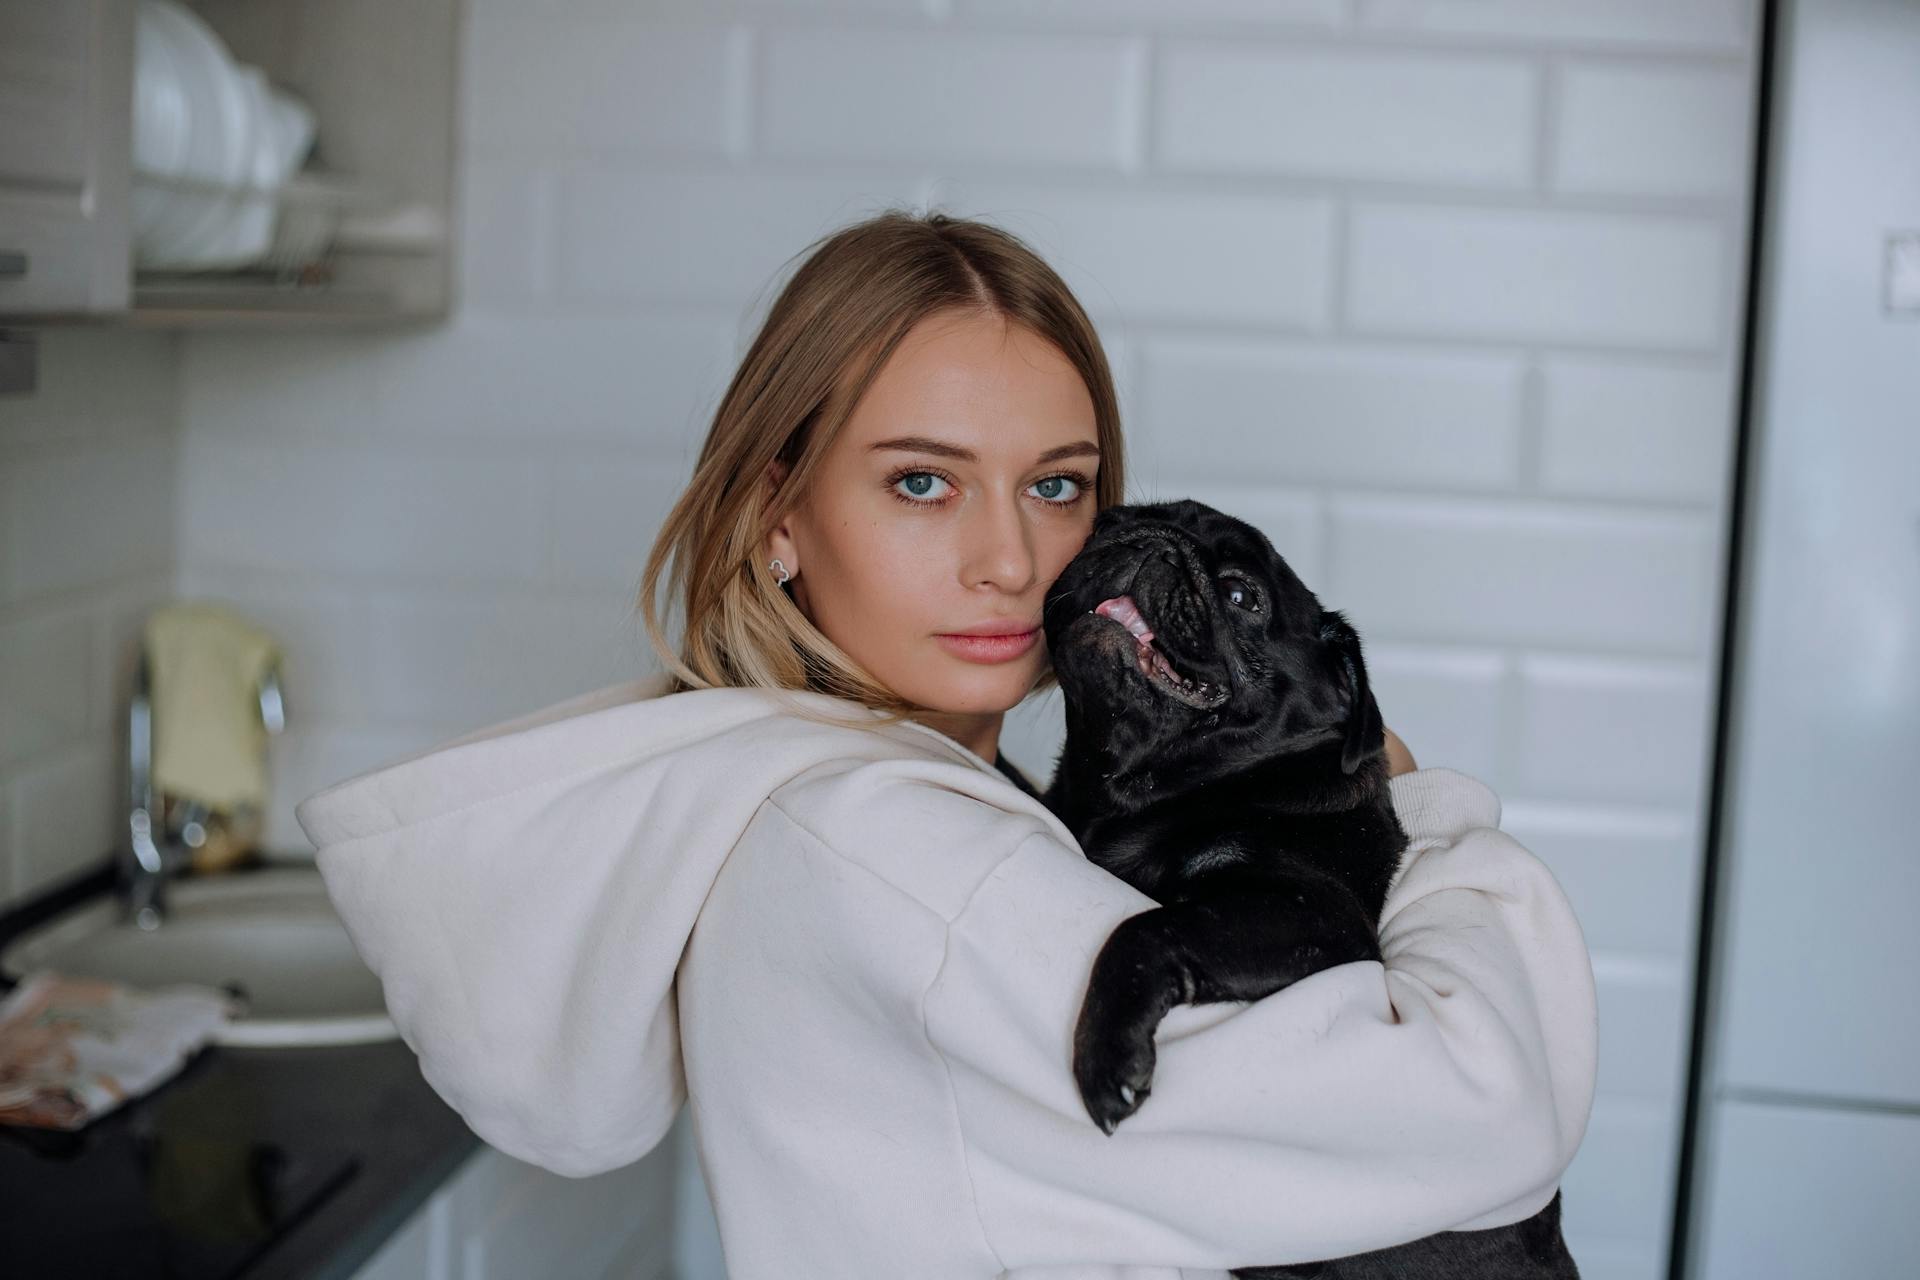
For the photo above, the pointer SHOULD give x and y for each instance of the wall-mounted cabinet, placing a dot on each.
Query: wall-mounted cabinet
(373, 203)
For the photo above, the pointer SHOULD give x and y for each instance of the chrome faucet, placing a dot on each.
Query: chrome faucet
(152, 855)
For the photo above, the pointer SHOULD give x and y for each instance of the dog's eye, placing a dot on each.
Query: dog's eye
(1240, 594)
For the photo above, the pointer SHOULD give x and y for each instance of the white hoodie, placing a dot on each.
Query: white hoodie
(860, 953)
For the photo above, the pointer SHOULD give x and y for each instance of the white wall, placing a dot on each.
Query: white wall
(87, 506)
(1444, 294)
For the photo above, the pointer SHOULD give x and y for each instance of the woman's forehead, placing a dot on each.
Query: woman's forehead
(975, 361)
(961, 402)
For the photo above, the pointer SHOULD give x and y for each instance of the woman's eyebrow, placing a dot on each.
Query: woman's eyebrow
(927, 444)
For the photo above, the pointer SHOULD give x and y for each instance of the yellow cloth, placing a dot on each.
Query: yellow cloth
(205, 666)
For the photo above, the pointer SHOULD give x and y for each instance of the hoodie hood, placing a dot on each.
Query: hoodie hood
(524, 894)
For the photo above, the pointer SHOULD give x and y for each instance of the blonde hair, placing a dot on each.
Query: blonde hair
(823, 342)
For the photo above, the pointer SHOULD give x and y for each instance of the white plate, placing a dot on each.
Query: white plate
(245, 228)
(160, 105)
(173, 213)
(220, 140)
(162, 121)
(223, 135)
(283, 133)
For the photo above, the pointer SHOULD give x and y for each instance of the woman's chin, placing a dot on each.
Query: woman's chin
(971, 688)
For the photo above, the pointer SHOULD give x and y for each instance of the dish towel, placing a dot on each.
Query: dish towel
(205, 668)
(73, 1049)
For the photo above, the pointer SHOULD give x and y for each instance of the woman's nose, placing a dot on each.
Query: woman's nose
(1001, 549)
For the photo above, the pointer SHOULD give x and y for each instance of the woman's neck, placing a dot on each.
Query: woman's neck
(977, 732)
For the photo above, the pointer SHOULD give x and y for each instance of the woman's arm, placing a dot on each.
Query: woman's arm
(1445, 1087)
(1399, 759)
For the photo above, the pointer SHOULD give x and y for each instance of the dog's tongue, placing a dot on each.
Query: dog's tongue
(1121, 609)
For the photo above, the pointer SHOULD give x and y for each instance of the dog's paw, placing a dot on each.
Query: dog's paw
(1114, 1074)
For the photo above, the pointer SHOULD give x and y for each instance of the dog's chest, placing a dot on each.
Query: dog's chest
(1175, 850)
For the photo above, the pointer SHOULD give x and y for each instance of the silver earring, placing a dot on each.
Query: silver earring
(780, 569)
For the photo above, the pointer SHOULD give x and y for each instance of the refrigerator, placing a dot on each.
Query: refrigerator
(1804, 1150)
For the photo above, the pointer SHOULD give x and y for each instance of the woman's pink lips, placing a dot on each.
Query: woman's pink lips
(989, 648)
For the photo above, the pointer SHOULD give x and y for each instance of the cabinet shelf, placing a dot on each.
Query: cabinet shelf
(235, 300)
(381, 81)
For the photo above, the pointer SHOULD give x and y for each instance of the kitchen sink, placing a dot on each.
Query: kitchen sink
(269, 933)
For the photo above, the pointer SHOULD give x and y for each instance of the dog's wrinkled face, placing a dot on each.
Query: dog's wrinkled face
(1178, 631)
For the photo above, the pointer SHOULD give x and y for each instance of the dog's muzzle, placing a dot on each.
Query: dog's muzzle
(1153, 663)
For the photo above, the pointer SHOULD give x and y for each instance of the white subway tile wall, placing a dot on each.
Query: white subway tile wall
(1445, 295)
(87, 465)
(1402, 115)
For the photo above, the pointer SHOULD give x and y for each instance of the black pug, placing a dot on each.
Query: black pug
(1225, 756)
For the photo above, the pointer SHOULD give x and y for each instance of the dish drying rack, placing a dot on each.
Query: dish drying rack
(318, 212)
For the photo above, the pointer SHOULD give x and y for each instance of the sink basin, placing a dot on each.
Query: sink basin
(270, 932)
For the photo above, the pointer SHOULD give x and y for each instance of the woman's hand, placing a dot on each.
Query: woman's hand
(1399, 759)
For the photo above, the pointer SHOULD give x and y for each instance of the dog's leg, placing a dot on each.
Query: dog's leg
(1246, 940)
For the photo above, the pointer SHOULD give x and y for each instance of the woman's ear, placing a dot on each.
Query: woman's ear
(779, 543)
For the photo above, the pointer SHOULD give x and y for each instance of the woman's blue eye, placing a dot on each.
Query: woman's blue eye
(916, 479)
(1056, 480)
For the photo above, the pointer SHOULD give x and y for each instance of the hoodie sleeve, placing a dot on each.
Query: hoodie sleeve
(1445, 1087)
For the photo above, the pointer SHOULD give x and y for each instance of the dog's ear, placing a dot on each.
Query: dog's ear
(1365, 730)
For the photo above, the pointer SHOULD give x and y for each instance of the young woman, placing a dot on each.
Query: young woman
(793, 880)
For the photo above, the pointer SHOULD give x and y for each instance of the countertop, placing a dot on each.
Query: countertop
(251, 1162)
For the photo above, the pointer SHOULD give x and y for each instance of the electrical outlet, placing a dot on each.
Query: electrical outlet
(1903, 273)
